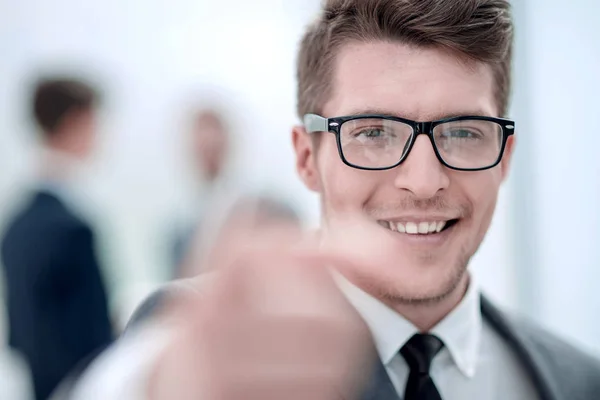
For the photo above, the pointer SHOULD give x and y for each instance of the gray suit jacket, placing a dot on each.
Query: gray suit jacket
(558, 370)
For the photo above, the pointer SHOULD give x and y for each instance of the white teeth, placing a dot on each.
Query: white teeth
(432, 227)
(412, 228)
(440, 226)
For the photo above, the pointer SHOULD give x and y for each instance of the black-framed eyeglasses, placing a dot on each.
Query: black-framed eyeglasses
(380, 142)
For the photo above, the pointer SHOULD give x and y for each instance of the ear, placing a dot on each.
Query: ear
(507, 157)
(306, 158)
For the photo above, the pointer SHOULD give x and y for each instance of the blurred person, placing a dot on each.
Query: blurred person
(209, 144)
(57, 304)
(406, 142)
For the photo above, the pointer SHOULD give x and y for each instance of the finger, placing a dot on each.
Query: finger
(242, 263)
(245, 229)
(280, 283)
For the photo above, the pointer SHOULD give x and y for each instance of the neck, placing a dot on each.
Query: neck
(426, 315)
(58, 165)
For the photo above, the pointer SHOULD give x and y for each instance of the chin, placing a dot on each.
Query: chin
(399, 265)
(411, 281)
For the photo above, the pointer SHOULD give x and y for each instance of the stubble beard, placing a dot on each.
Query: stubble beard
(390, 292)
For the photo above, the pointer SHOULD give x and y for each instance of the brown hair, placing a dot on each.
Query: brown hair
(54, 98)
(474, 30)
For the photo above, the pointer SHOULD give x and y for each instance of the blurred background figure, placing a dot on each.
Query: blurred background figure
(209, 145)
(57, 305)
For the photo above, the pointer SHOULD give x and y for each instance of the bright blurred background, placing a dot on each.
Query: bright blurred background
(154, 58)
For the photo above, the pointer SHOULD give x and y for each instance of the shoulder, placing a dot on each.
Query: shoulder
(558, 352)
(565, 368)
(42, 224)
(45, 211)
(168, 293)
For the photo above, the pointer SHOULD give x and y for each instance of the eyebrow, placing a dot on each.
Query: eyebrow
(435, 117)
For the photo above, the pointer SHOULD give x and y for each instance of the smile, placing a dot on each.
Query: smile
(418, 227)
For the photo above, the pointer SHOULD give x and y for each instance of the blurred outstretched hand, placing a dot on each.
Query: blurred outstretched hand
(270, 322)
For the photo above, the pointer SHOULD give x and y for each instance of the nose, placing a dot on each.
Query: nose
(421, 173)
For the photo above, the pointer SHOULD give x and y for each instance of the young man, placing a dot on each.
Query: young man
(57, 306)
(403, 139)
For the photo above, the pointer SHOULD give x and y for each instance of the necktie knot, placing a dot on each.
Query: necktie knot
(420, 350)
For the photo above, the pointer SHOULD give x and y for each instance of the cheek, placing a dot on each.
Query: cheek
(343, 188)
(86, 142)
(482, 191)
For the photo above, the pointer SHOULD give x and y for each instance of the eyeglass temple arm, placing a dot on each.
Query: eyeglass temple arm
(315, 123)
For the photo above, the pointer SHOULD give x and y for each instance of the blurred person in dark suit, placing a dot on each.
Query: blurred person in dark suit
(209, 146)
(404, 136)
(57, 302)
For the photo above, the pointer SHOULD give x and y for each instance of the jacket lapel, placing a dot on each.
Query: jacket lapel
(380, 387)
(523, 347)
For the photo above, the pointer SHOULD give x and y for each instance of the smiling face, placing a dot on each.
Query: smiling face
(412, 228)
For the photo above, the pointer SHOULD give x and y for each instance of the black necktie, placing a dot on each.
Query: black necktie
(418, 352)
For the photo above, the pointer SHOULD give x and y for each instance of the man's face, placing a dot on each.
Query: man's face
(358, 206)
(78, 134)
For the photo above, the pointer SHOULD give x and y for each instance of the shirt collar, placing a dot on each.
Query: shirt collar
(460, 330)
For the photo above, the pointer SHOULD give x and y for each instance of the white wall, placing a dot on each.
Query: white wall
(563, 67)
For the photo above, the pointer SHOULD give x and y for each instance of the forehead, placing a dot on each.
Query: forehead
(416, 83)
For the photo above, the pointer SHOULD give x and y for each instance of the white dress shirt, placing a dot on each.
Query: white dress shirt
(475, 362)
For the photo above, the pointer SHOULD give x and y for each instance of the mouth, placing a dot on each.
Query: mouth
(418, 228)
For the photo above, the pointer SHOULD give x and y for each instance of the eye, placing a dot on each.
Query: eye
(373, 133)
(369, 132)
(461, 134)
